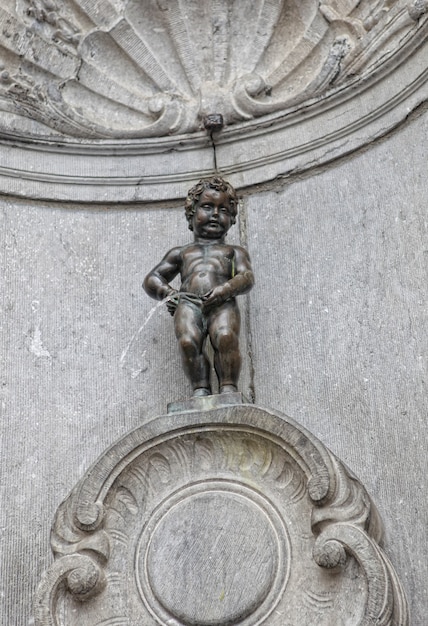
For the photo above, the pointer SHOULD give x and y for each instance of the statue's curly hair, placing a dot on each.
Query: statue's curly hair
(213, 182)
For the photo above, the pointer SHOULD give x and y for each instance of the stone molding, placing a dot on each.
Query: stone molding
(100, 105)
(226, 515)
(127, 69)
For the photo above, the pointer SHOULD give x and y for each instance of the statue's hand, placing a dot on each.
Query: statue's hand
(216, 296)
(172, 301)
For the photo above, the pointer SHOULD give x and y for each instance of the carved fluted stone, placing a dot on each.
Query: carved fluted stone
(128, 69)
(91, 93)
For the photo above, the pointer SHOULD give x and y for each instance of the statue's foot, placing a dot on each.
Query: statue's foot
(201, 391)
(228, 389)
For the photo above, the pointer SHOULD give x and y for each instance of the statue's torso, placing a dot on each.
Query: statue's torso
(206, 266)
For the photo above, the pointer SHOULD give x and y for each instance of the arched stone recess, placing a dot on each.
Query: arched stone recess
(105, 101)
(226, 515)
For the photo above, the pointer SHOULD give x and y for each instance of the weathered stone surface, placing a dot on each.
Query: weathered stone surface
(127, 69)
(342, 319)
(336, 338)
(71, 289)
(217, 517)
(85, 356)
(126, 86)
(203, 403)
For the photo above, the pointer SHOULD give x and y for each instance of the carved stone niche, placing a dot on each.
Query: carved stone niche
(219, 515)
(104, 101)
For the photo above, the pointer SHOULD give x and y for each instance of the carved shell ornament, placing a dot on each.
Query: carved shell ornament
(100, 69)
(103, 101)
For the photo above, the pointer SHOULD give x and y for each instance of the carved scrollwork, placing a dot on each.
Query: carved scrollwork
(216, 517)
(83, 578)
(384, 606)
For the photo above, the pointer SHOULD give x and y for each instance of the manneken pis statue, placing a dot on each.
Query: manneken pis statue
(212, 274)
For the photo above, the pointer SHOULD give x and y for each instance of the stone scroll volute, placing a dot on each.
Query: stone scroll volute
(234, 515)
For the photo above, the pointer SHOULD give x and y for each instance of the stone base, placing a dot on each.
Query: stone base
(205, 403)
(218, 515)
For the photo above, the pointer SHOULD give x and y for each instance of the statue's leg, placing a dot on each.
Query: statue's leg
(191, 334)
(223, 328)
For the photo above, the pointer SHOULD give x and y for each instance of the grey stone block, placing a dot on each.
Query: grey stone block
(227, 515)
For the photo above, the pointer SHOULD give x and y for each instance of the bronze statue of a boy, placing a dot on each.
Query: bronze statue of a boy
(212, 273)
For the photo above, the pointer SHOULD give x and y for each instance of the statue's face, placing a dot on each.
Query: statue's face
(213, 216)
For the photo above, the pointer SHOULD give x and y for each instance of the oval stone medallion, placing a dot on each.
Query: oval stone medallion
(212, 557)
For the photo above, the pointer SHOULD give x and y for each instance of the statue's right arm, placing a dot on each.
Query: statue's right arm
(156, 283)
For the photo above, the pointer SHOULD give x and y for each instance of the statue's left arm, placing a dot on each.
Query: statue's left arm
(242, 279)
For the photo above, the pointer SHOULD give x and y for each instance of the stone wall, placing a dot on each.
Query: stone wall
(339, 327)
(336, 340)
